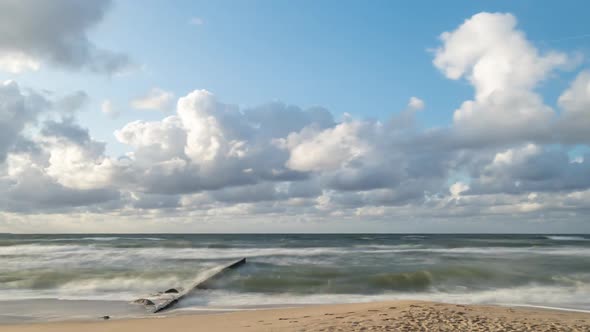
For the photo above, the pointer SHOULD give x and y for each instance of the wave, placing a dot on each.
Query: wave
(563, 297)
(486, 251)
(35, 249)
(575, 297)
(95, 270)
(48, 255)
(545, 307)
(98, 238)
(115, 238)
(561, 251)
(566, 238)
(414, 237)
(406, 281)
(39, 255)
(126, 286)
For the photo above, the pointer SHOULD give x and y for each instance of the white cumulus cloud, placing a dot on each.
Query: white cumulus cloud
(504, 67)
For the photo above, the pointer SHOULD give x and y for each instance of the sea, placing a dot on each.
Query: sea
(87, 276)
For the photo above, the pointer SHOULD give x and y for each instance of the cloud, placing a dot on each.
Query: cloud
(507, 158)
(34, 33)
(491, 53)
(109, 109)
(416, 103)
(66, 169)
(17, 62)
(28, 188)
(457, 188)
(18, 110)
(75, 160)
(153, 201)
(196, 21)
(531, 168)
(215, 157)
(154, 141)
(328, 149)
(207, 145)
(504, 68)
(73, 102)
(230, 157)
(505, 118)
(156, 99)
(66, 129)
(50, 164)
(279, 119)
(574, 123)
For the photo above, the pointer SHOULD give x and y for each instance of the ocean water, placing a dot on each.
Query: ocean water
(44, 277)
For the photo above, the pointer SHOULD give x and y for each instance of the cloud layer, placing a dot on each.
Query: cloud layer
(507, 153)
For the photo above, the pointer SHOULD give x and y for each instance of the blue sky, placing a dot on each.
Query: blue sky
(362, 61)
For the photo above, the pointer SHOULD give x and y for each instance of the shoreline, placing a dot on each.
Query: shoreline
(51, 310)
(373, 316)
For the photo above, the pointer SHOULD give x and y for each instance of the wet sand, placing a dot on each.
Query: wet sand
(382, 316)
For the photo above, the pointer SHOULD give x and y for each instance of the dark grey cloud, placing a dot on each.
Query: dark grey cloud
(56, 32)
(528, 169)
(248, 194)
(17, 110)
(277, 120)
(66, 129)
(153, 201)
(72, 102)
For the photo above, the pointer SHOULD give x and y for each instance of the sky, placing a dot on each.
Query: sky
(282, 116)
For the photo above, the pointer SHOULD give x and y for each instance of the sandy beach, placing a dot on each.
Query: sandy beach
(382, 316)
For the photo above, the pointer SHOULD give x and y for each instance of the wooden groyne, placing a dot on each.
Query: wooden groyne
(173, 295)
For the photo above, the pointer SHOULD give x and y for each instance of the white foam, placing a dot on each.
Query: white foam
(559, 297)
(566, 238)
(91, 255)
(544, 307)
(97, 238)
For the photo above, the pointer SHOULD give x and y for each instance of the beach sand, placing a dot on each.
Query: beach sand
(382, 316)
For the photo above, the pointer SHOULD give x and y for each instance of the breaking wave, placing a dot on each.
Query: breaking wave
(566, 238)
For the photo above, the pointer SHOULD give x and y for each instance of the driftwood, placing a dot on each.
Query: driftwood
(173, 296)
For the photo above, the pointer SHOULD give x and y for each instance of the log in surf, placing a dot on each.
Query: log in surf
(169, 298)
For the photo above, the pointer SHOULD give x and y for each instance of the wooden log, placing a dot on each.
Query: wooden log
(175, 297)
(204, 284)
